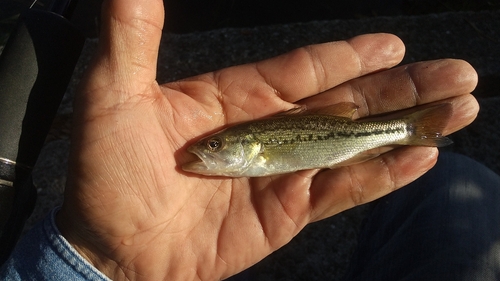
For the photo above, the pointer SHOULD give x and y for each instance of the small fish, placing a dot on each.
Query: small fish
(312, 139)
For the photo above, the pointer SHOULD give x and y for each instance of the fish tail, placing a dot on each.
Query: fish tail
(426, 126)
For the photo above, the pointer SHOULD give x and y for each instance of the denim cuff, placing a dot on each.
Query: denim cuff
(44, 254)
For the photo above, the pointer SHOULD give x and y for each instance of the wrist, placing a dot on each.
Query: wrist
(81, 243)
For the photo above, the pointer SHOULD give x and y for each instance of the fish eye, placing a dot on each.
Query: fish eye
(214, 144)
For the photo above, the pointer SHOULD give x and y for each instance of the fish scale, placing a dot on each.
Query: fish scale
(320, 141)
(304, 130)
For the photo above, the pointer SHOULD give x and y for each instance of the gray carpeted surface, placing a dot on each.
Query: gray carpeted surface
(321, 251)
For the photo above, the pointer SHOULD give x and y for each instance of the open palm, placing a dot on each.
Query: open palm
(132, 212)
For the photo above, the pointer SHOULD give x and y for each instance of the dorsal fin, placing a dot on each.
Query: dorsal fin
(343, 109)
(294, 111)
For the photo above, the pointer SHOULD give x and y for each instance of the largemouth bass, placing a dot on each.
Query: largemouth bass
(326, 138)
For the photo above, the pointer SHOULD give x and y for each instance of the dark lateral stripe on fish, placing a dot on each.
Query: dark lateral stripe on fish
(311, 137)
(365, 134)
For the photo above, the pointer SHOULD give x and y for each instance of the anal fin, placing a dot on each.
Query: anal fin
(365, 156)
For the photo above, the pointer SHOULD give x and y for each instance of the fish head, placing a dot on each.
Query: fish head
(226, 153)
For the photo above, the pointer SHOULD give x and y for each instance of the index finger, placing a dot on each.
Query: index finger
(313, 69)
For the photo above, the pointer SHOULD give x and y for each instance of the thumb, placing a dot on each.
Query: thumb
(126, 58)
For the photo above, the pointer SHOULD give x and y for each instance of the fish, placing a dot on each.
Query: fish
(313, 139)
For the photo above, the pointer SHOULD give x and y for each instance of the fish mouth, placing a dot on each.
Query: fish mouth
(195, 166)
(199, 165)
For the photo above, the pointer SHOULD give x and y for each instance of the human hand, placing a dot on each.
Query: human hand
(134, 214)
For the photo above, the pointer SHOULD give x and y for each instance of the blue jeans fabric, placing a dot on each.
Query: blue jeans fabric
(44, 254)
(443, 226)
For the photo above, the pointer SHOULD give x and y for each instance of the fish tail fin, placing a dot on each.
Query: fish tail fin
(426, 126)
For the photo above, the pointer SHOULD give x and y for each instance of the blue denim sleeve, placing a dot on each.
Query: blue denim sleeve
(44, 254)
